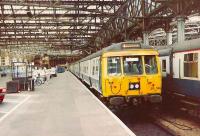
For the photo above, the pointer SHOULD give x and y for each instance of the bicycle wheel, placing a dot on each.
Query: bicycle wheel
(38, 82)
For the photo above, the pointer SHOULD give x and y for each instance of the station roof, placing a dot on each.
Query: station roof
(56, 24)
(82, 27)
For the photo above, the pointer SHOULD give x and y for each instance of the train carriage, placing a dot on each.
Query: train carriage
(123, 72)
(181, 71)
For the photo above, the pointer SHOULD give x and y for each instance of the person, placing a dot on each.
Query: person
(48, 73)
(35, 73)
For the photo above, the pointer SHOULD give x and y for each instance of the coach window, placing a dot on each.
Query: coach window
(150, 64)
(191, 65)
(97, 65)
(164, 65)
(114, 66)
(93, 67)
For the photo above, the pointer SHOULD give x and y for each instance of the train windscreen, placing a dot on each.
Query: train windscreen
(114, 66)
(150, 64)
(132, 65)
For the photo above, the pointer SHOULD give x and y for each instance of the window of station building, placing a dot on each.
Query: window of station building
(191, 65)
(164, 65)
(114, 66)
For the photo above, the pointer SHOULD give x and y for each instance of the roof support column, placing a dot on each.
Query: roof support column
(146, 38)
(180, 29)
(168, 31)
(169, 37)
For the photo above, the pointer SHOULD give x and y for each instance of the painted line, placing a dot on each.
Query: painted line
(12, 110)
(11, 101)
(4, 112)
(112, 114)
(16, 94)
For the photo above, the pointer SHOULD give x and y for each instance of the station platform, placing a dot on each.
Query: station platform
(61, 107)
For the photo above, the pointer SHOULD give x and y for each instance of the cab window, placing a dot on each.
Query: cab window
(132, 65)
(114, 66)
(150, 64)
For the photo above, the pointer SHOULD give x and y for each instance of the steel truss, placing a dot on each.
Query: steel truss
(87, 25)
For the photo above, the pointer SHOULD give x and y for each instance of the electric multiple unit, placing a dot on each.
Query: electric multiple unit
(123, 72)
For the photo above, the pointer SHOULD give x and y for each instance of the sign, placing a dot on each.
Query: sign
(130, 45)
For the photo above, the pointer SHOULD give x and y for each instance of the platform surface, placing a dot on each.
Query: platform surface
(61, 107)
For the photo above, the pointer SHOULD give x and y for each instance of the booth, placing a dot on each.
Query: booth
(21, 77)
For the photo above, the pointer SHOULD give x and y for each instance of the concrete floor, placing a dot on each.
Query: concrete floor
(60, 107)
(3, 80)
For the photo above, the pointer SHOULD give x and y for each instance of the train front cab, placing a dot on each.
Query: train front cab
(131, 78)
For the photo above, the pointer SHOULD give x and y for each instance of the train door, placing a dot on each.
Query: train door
(133, 75)
(153, 75)
(113, 76)
(100, 74)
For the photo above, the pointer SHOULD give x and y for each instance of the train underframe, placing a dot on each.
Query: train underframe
(132, 100)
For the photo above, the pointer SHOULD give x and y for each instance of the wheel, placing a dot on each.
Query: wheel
(38, 82)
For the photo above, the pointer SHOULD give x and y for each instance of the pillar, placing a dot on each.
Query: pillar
(169, 37)
(180, 29)
(146, 38)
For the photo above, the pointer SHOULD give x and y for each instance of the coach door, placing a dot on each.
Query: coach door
(153, 75)
(114, 76)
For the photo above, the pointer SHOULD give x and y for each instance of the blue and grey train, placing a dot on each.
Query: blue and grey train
(180, 66)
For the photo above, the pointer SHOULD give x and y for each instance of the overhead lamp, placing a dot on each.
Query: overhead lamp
(28, 12)
(40, 30)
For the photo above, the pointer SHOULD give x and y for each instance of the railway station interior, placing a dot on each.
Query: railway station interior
(99, 68)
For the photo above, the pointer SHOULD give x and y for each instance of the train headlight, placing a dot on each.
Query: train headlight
(137, 86)
(134, 86)
(131, 86)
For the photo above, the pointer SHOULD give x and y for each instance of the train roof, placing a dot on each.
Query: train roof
(118, 47)
(187, 45)
(164, 50)
(176, 47)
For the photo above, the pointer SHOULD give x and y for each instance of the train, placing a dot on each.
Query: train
(180, 67)
(123, 73)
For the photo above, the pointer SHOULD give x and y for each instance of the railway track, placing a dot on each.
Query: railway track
(155, 122)
(160, 121)
(142, 123)
(139, 120)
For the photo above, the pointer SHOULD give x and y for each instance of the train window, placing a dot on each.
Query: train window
(163, 65)
(114, 66)
(133, 65)
(191, 65)
(150, 64)
(93, 68)
(97, 67)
